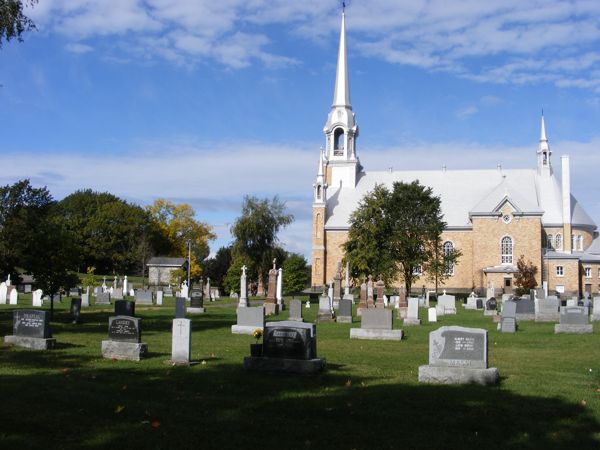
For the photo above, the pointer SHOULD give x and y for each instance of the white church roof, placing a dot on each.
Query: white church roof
(465, 192)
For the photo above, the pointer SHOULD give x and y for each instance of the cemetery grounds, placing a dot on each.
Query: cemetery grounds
(369, 398)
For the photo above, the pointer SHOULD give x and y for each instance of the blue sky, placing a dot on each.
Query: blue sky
(205, 102)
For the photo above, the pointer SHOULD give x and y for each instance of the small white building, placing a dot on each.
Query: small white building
(160, 269)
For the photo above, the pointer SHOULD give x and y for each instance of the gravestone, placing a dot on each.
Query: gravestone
(180, 303)
(344, 314)
(249, 319)
(525, 309)
(458, 355)
(574, 320)
(448, 302)
(547, 310)
(270, 303)
(102, 298)
(31, 329)
(490, 307)
(337, 287)
(181, 344)
(36, 298)
(13, 296)
(124, 308)
(572, 302)
(379, 288)
(412, 314)
(471, 301)
(243, 289)
(288, 346)
(196, 300)
(74, 292)
(402, 303)
(144, 297)
(370, 293)
(376, 324)
(431, 315)
(75, 310)
(596, 310)
(159, 298)
(325, 309)
(124, 339)
(362, 302)
(117, 293)
(168, 291)
(3, 293)
(508, 321)
(296, 311)
(85, 299)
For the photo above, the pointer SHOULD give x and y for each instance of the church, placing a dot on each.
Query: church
(492, 216)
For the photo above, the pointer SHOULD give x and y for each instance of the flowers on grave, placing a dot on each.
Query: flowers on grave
(257, 334)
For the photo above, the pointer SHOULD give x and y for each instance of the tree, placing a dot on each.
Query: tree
(397, 233)
(216, 268)
(231, 282)
(12, 20)
(179, 226)
(255, 231)
(525, 277)
(296, 275)
(22, 208)
(110, 233)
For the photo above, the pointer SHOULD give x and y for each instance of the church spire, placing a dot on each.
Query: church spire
(341, 94)
(544, 151)
(341, 129)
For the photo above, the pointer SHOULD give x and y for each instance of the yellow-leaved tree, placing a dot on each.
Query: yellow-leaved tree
(179, 225)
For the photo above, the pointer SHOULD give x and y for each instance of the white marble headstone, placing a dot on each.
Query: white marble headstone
(432, 315)
(3, 290)
(13, 297)
(159, 298)
(37, 298)
(181, 348)
(413, 308)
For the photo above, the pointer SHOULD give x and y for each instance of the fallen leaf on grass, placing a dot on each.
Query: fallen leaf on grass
(348, 383)
(124, 387)
(583, 403)
(64, 370)
(119, 409)
(155, 424)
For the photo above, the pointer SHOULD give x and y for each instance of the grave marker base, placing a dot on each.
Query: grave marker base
(128, 351)
(195, 310)
(343, 319)
(547, 317)
(30, 342)
(376, 335)
(411, 322)
(490, 312)
(458, 375)
(301, 366)
(244, 329)
(296, 319)
(573, 329)
(522, 316)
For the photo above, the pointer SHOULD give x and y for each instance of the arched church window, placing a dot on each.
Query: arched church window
(448, 265)
(318, 226)
(580, 243)
(338, 142)
(549, 242)
(506, 249)
(558, 242)
(319, 192)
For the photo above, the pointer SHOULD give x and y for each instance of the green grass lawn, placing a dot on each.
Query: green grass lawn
(369, 398)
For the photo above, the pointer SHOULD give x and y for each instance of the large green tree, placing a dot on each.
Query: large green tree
(216, 268)
(13, 23)
(255, 231)
(110, 233)
(22, 208)
(296, 274)
(397, 233)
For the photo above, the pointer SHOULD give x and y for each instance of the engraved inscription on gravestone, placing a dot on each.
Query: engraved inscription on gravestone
(290, 340)
(31, 323)
(458, 347)
(124, 329)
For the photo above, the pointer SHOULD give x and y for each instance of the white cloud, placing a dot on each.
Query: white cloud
(215, 178)
(463, 113)
(78, 48)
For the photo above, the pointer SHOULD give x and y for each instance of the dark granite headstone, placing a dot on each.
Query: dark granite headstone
(458, 347)
(345, 308)
(479, 303)
(125, 329)
(32, 323)
(124, 308)
(491, 304)
(196, 298)
(525, 306)
(290, 340)
(76, 309)
(180, 307)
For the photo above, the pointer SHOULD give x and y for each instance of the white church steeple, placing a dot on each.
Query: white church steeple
(544, 152)
(320, 187)
(341, 129)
